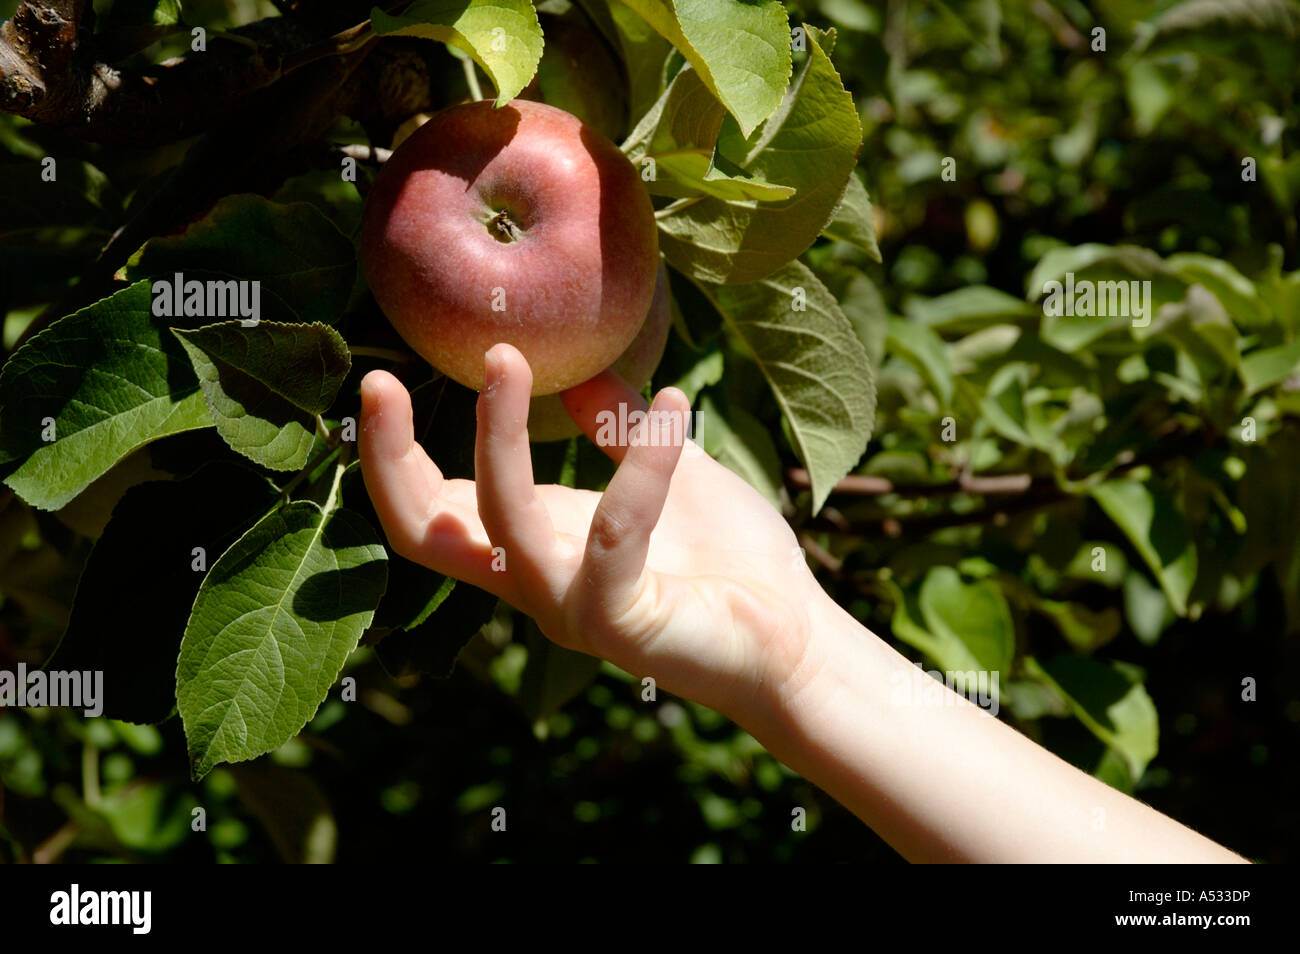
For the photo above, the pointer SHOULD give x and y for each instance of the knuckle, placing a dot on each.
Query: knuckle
(608, 530)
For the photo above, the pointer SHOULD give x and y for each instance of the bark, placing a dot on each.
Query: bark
(50, 74)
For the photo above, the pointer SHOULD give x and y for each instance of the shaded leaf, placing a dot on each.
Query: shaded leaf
(1270, 17)
(80, 197)
(1265, 367)
(923, 349)
(110, 378)
(740, 442)
(678, 134)
(552, 676)
(152, 536)
(265, 385)
(972, 308)
(292, 809)
(306, 266)
(1110, 700)
(810, 144)
(853, 220)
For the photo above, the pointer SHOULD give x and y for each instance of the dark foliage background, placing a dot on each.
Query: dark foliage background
(1056, 144)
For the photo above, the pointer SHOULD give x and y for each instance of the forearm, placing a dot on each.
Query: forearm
(947, 781)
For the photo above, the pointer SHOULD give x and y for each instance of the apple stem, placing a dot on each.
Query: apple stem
(471, 79)
(504, 227)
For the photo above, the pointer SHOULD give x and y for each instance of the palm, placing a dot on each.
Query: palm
(684, 573)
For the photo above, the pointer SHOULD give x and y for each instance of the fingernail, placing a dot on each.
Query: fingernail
(491, 367)
(369, 393)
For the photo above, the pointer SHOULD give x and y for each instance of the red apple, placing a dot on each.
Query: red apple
(547, 418)
(517, 224)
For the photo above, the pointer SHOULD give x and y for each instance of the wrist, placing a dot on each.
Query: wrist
(818, 662)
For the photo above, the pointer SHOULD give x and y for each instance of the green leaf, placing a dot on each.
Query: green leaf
(741, 443)
(1282, 176)
(862, 303)
(272, 625)
(151, 818)
(703, 369)
(111, 379)
(853, 220)
(306, 266)
(972, 308)
(644, 51)
(971, 615)
(810, 144)
(132, 25)
(740, 49)
(814, 363)
(978, 20)
(1214, 17)
(680, 130)
(432, 645)
(1235, 291)
(152, 536)
(1084, 629)
(293, 810)
(1146, 607)
(137, 12)
(1151, 93)
(990, 344)
(501, 36)
(552, 676)
(1003, 407)
(1265, 367)
(1099, 263)
(1110, 700)
(724, 180)
(1200, 328)
(1159, 532)
(678, 135)
(923, 349)
(265, 385)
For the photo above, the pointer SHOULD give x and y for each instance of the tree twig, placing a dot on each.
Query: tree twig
(1026, 493)
(471, 79)
(861, 485)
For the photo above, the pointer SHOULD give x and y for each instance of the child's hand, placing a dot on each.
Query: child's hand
(682, 572)
(679, 570)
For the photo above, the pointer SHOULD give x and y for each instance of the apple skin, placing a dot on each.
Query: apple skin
(517, 224)
(548, 420)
